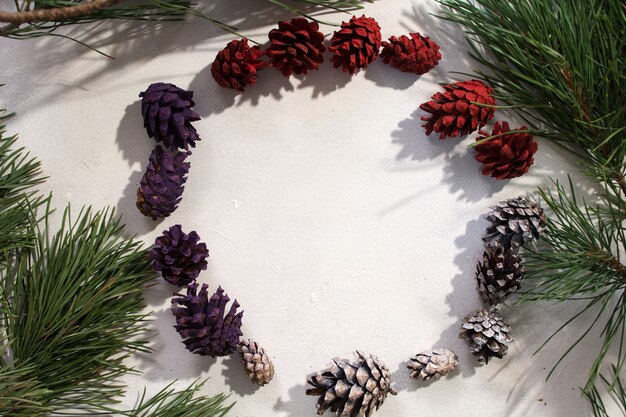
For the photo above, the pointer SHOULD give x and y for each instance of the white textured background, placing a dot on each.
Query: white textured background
(328, 214)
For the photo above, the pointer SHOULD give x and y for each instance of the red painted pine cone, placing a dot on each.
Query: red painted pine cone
(507, 156)
(452, 112)
(416, 54)
(297, 46)
(356, 45)
(236, 66)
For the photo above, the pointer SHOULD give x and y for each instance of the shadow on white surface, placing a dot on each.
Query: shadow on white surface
(297, 403)
(380, 74)
(168, 365)
(415, 144)
(325, 80)
(132, 138)
(462, 173)
(233, 370)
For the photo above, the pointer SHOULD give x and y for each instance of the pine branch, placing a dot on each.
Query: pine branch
(71, 307)
(52, 15)
(560, 64)
(171, 403)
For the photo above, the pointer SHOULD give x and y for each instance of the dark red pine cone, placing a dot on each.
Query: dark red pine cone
(506, 156)
(356, 45)
(296, 47)
(236, 66)
(416, 54)
(452, 112)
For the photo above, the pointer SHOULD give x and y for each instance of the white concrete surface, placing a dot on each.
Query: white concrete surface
(328, 214)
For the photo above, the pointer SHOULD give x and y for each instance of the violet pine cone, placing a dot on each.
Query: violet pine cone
(179, 256)
(356, 44)
(167, 115)
(297, 46)
(237, 65)
(452, 112)
(414, 53)
(161, 186)
(202, 324)
(507, 156)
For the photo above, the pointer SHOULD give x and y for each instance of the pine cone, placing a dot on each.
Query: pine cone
(515, 222)
(499, 275)
(167, 115)
(356, 44)
(352, 389)
(432, 363)
(202, 324)
(296, 47)
(487, 334)
(417, 54)
(452, 112)
(178, 256)
(236, 66)
(507, 156)
(258, 364)
(161, 186)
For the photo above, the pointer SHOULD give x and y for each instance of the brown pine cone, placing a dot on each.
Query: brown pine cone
(432, 364)
(258, 364)
(356, 45)
(236, 66)
(417, 54)
(297, 46)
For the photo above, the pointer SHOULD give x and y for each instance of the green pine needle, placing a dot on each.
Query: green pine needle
(71, 307)
(560, 65)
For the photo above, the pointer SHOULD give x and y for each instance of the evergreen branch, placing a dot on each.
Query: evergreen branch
(171, 403)
(51, 15)
(56, 13)
(71, 310)
(560, 64)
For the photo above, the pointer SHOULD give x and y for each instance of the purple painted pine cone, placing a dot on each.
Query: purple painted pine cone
(201, 322)
(178, 256)
(161, 187)
(167, 115)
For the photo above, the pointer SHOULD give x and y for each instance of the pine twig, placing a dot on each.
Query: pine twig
(56, 13)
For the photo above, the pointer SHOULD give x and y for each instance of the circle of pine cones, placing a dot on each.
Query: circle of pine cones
(204, 324)
(432, 364)
(356, 44)
(297, 46)
(179, 256)
(487, 334)
(506, 156)
(414, 53)
(237, 65)
(453, 112)
(351, 389)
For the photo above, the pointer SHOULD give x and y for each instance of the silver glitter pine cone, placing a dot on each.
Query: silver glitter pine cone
(487, 334)
(258, 364)
(354, 389)
(515, 222)
(432, 364)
